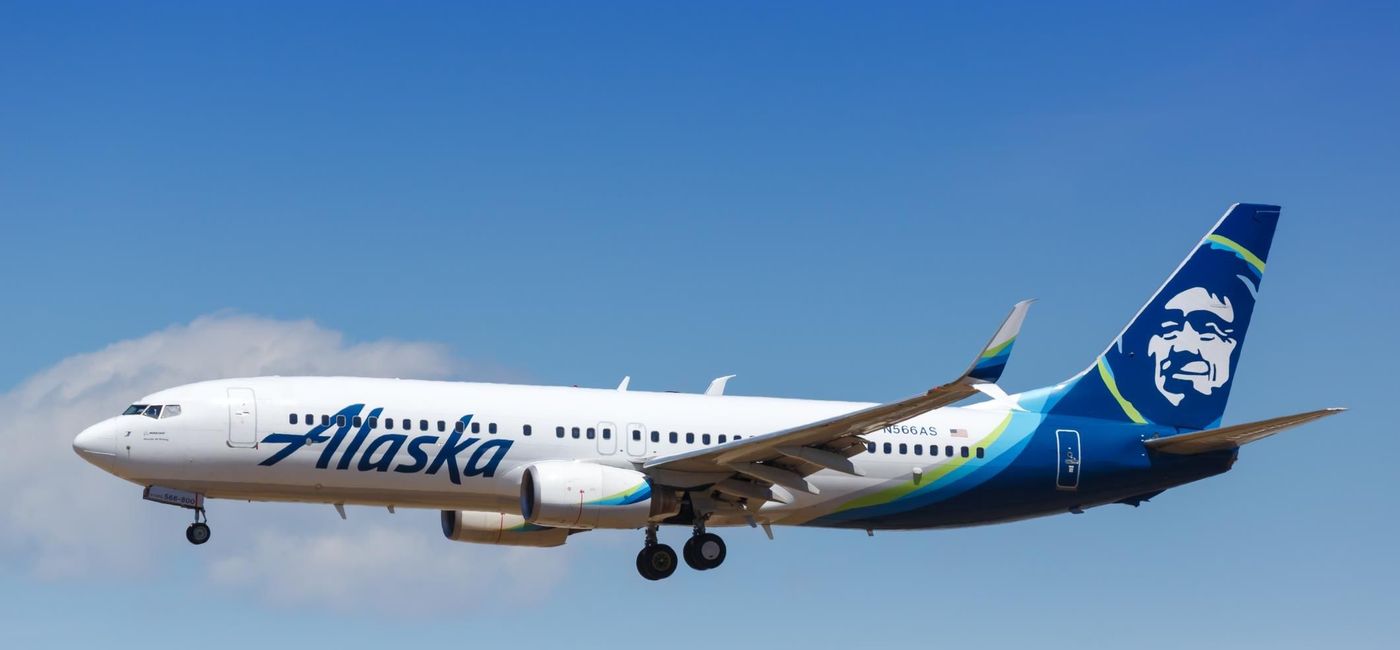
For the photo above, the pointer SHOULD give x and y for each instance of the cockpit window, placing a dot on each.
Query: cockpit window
(135, 409)
(152, 411)
(171, 410)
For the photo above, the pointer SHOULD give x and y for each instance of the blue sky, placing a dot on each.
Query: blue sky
(830, 200)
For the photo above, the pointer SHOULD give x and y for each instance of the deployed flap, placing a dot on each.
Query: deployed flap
(840, 435)
(1233, 436)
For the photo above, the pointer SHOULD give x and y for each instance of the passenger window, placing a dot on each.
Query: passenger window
(981, 452)
(964, 452)
(325, 420)
(491, 428)
(705, 439)
(655, 436)
(573, 433)
(889, 449)
(607, 433)
(476, 427)
(689, 438)
(591, 433)
(407, 424)
(459, 427)
(559, 432)
(388, 423)
(948, 451)
(637, 435)
(721, 438)
(359, 421)
(374, 422)
(291, 418)
(442, 426)
(527, 429)
(422, 425)
(674, 438)
(870, 447)
(340, 420)
(737, 437)
(918, 450)
(171, 410)
(903, 449)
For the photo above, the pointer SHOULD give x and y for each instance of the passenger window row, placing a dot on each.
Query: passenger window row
(903, 449)
(405, 424)
(606, 433)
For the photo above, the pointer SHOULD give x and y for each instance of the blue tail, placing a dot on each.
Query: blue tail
(1175, 361)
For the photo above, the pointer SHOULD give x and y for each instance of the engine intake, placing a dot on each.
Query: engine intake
(498, 528)
(584, 495)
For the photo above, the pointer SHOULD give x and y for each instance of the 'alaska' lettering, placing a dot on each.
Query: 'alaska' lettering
(380, 453)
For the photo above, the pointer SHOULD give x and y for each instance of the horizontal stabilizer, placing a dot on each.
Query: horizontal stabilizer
(1234, 436)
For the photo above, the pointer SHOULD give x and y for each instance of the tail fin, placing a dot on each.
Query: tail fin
(1174, 362)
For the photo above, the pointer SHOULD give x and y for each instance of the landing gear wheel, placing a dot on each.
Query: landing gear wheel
(704, 551)
(197, 533)
(656, 561)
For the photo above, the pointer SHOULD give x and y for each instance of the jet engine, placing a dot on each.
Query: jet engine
(584, 495)
(498, 528)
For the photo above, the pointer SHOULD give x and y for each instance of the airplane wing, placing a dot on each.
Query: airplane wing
(1233, 436)
(748, 468)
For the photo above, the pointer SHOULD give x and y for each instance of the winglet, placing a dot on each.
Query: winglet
(717, 386)
(988, 366)
(622, 387)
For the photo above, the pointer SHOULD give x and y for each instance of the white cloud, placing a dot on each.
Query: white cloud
(61, 517)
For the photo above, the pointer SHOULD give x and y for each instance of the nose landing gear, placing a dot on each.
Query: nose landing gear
(198, 532)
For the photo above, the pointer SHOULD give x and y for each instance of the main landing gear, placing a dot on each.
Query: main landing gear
(198, 532)
(655, 561)
(703, 551)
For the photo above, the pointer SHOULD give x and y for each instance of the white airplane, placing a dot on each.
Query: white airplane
(531, 465)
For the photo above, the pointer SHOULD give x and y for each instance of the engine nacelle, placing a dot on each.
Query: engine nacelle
(498, 528)
(584, 495)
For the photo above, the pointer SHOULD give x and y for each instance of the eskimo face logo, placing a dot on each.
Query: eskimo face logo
(1193, 348)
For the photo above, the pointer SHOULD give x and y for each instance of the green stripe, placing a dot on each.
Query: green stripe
(993, 351)
(1244, 252)
(1112, 385)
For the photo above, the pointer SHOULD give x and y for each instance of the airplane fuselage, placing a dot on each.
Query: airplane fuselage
(464, 446)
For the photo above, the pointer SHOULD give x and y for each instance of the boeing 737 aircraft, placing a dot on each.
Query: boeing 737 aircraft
(532, 465)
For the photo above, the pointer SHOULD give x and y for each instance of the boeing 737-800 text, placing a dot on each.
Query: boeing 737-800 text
(532, 465)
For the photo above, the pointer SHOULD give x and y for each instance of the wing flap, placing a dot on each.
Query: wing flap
(1234, 436)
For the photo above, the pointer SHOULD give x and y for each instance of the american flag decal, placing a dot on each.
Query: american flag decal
(958, 433)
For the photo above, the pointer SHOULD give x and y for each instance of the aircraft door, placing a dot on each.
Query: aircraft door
(242, 418)
(636, 439)
(1068, 469)
(607, 438)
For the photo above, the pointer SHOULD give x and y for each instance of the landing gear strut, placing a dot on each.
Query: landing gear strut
(198, 532)
(656, 560)
(703, 551)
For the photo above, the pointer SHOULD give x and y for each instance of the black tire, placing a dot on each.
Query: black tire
(197, 533)
(656, 562)
(708, 551)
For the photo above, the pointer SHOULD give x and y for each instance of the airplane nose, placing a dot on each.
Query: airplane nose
(97, 444)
